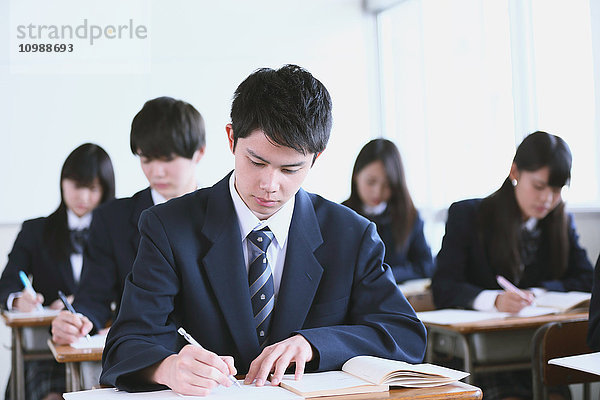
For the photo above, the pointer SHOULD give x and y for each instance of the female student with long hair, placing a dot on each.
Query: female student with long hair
(49, 250)
(520, 232)
(379, 193)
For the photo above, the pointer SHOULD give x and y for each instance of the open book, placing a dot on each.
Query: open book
(366, 374)
(563, 301)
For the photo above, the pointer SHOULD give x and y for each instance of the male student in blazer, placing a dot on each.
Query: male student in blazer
(334, 298)
(169, 137)
(594, 325)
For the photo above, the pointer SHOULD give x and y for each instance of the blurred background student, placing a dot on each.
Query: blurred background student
(49, 251)
(520, 232)
(379, 193)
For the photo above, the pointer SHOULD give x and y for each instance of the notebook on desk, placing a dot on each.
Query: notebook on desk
(94, 342)
(366, 374)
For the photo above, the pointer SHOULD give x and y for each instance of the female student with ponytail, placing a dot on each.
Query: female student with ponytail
(521, 232)
(379, 193)
(49, 250)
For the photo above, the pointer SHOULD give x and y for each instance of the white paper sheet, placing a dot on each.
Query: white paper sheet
(584, 362)
(95, 342)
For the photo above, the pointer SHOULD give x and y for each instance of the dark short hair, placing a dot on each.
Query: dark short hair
(289, 105)
(166, 127)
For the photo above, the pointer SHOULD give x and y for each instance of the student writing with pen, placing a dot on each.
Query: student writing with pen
(168, 136)
(50, 250)
(522, 233)
(262, 274)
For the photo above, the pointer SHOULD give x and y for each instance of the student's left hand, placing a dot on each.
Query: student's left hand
(277, 357)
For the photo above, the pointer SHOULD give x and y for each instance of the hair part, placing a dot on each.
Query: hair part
(500, 216)
(401, 206)
(165, 128)
(289, 105)
(83, 165)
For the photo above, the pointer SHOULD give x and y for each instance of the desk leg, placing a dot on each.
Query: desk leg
(468, 360)
(18, 372)
(73, 376)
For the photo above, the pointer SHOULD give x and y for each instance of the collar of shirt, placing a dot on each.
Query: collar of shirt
(157, 198)
(78, 223)
(530, 224)
(278, 223)
(375, 210)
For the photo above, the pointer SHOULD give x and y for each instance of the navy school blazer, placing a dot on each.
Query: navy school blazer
(190, 272)
(31, 255)
(463, 268)
(594, 327)
(108, 257)
(413, 260)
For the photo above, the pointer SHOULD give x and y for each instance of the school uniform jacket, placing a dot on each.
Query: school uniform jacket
(594, 327)
(413, 260)
(108, 258)
(190, 272)
(31, 255)
(463, 269)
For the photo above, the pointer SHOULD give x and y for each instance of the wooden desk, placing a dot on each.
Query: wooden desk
(18, 355)
(464, 335)
(72, 358)
(453, 391)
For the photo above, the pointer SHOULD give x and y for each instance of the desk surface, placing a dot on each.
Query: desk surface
(453, 391)
(66, 353)
(32, 321)
(509, 323)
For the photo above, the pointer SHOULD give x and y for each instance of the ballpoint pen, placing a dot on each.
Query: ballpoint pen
(69, 307)
(509, 287)
(29, 287)
(193, 342)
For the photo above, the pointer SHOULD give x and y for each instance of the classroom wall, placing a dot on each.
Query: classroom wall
(199, 51)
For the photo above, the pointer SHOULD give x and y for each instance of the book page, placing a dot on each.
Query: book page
(95, 342)
(399, 373)
(329, 383)
(585, 362)
(562, 300)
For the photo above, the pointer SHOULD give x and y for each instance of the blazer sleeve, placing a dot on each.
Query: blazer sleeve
(450, 285)
(419, 253)
(579, 275)
(381, 321)
(594, 320)
(19, 259)
(98, 285)
(139, 340)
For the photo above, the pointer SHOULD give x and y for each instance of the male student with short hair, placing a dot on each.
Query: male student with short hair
(261, 273)
(169, 137)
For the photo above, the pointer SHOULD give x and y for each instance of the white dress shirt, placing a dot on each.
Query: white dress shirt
(278, 223)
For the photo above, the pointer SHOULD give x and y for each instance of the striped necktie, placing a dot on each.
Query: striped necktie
(260, 279)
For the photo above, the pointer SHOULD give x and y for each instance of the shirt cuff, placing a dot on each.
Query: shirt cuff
(485, 301)
(11, 299)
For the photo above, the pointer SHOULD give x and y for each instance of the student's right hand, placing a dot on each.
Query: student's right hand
(511, 302)
(194, 371)
(68, 327)
(27, 302)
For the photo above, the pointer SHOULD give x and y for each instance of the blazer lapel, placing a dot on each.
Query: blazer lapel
(141, 201)
(66, 273)
(302, 271)
(224, 266)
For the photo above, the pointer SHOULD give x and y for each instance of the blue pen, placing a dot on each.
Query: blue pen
(29, 287)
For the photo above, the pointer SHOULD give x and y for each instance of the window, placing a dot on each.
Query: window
(464, 81)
